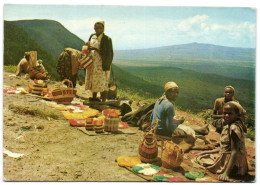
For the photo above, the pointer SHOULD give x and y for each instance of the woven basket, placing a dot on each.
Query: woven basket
(64, 95)
(37, 89)
(111, 124)
(172, 155)
(148, 148)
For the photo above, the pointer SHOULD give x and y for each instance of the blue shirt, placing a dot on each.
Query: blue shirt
(164, 113)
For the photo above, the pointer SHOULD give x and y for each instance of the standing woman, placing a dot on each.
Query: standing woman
(97, 78)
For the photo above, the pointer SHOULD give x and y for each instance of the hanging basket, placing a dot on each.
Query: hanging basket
(64, 95)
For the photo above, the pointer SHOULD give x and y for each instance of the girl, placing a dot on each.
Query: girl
(230, 159)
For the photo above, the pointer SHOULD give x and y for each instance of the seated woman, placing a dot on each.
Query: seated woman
(164, 112)
(229, 93)
(230, 159)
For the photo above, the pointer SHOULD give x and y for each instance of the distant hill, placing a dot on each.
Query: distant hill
(187, 51)
(206, 58)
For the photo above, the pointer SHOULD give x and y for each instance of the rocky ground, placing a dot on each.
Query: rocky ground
(55, 151)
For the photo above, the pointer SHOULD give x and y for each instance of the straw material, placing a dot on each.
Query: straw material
(64, 95)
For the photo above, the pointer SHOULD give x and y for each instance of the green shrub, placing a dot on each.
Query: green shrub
(10, 68)
(250, 134)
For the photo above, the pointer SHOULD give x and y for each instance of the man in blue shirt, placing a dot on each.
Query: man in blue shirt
(164, 110)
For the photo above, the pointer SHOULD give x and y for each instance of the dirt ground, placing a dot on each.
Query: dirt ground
(55, 151)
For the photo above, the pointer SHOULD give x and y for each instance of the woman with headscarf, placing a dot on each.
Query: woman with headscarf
(97, 78)
(229, 93)
(164, 110)
(230, 159)
(167, 128)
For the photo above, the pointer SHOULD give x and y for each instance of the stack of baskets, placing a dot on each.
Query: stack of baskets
(37, 89)
(89, 124)
(64, 95)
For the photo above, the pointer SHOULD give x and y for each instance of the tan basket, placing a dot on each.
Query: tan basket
(64, 95)
(172, 154)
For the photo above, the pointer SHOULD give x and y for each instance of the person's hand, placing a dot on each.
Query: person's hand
(80, 82)
(223, 177)
(181, 120)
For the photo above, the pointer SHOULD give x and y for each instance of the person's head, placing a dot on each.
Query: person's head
(229, 93)
(99, 27)
(232, 111)
(171, 90)
(27, 56)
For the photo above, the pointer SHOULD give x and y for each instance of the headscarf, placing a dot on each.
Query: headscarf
(231, 87)
(100, 22)
(241, 112)
(168, 86)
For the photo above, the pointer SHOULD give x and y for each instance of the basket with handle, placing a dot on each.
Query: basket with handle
(148, 147)
(64, 95)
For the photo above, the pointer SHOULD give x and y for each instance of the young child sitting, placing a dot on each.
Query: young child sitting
(230, 160)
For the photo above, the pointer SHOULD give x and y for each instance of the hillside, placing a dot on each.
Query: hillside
(50, 34)
(47, 37)
(198, 91)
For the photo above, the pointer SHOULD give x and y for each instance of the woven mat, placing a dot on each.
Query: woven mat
(93, 133)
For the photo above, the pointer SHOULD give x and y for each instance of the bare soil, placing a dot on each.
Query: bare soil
(55, 151)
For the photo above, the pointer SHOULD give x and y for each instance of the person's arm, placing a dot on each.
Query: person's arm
(215, 111)
(234, 152)
(169, 117)
(80, 81)
(209, 151)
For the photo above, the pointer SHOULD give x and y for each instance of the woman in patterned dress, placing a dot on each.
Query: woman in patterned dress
(97, 78)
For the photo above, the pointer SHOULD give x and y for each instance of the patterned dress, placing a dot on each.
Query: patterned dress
(96, 79)
(218, 162)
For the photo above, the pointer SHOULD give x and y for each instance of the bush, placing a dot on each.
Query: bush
(10, 68)
(250, 134)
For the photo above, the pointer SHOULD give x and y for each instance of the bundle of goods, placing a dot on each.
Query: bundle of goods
(38, 86)
(146, 169)
(64, 95)
(98, 126)
(111, 120)
(172, 155)
(148, 148)
(128, 161)
(89, 124)
(167, 177)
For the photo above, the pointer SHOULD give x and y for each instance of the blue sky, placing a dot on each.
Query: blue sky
(135, 27)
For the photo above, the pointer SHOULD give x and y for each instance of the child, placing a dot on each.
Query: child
(230, 159)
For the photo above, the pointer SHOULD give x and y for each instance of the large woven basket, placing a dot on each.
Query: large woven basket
(64, 95)
(148, 147)
(111, 124)
(172, 155)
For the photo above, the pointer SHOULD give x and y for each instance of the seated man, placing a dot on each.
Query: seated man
(23, 67)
